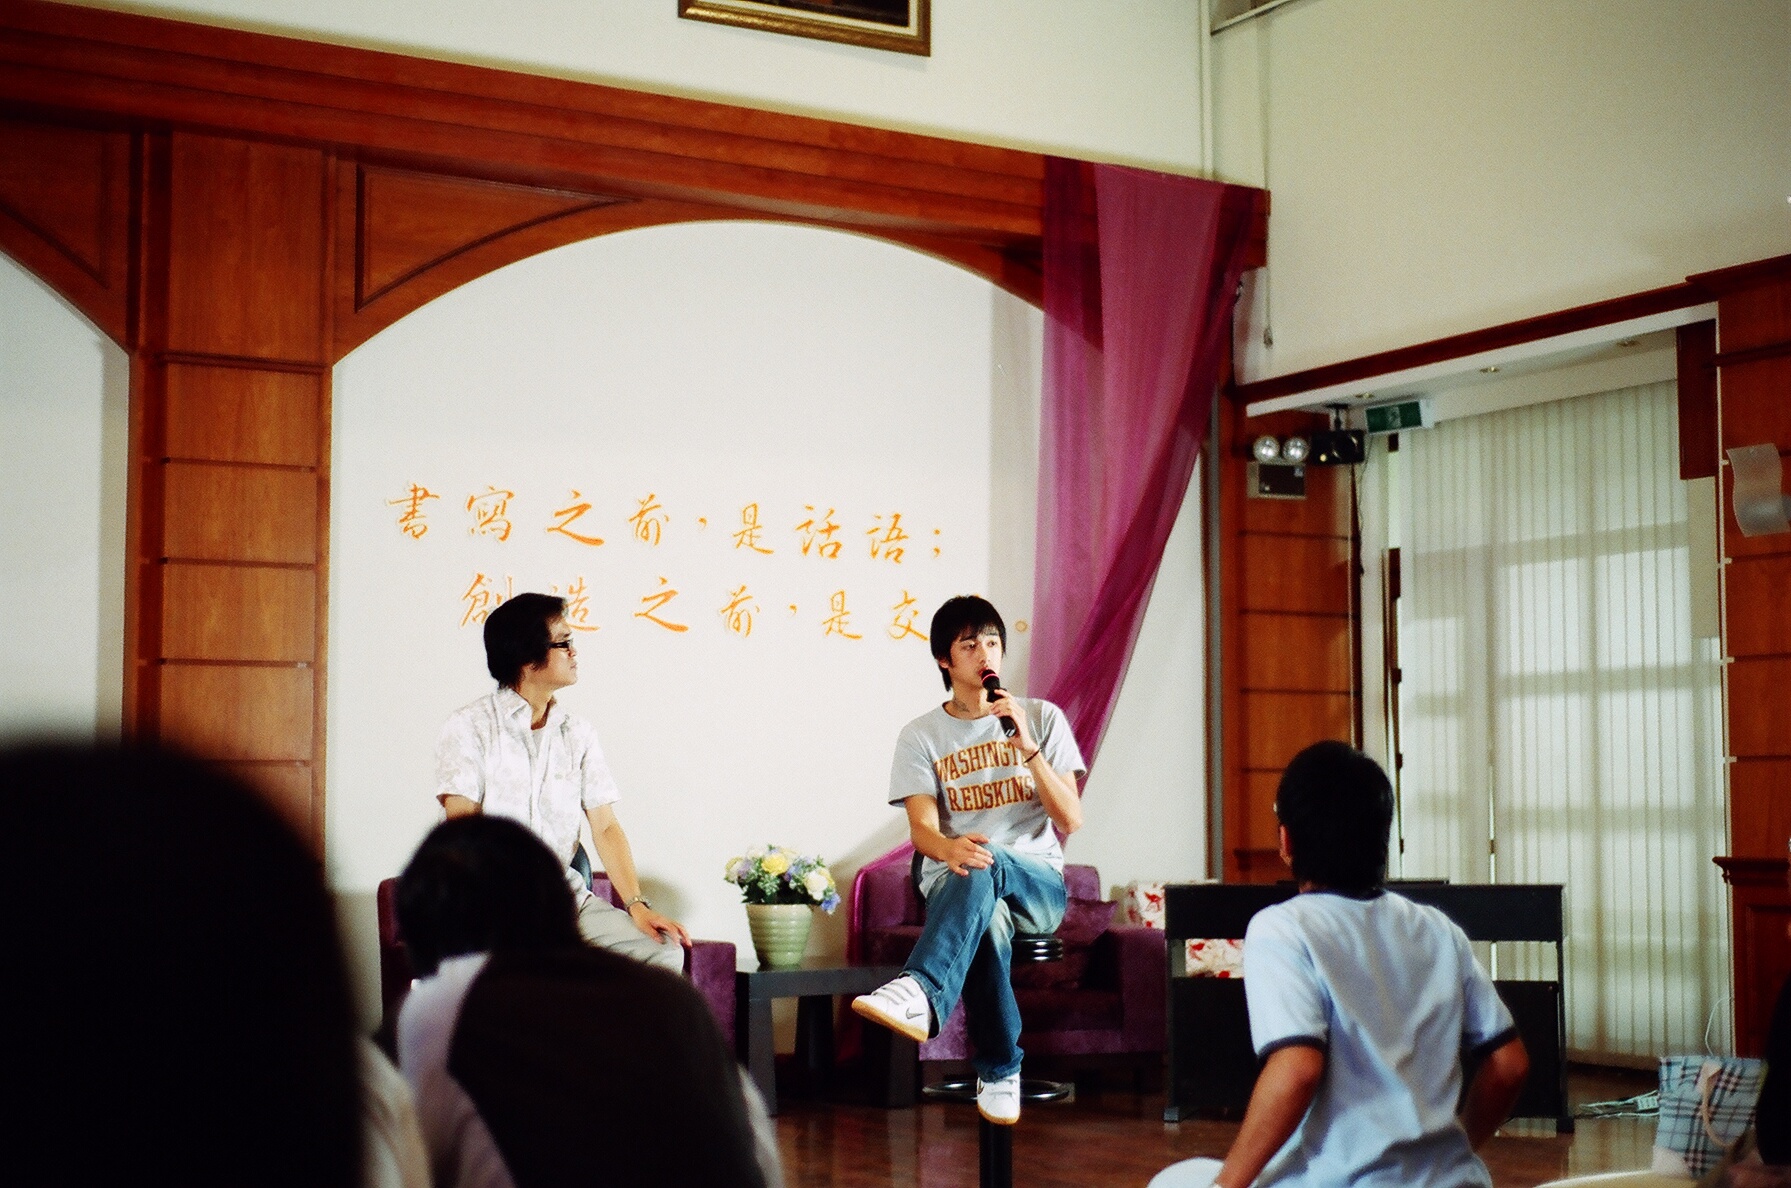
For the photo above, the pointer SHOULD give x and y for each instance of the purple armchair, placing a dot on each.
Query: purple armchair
(1107, 997)
(708, 964)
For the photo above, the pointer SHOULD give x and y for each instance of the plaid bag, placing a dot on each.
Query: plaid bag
(1705, 1104)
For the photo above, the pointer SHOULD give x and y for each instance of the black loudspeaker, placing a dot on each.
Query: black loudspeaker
(1536, 1009)
(1211, 1060)
(1338, 447)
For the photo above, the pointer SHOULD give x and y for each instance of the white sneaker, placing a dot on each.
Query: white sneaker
(901, 1006)
(999, 1101)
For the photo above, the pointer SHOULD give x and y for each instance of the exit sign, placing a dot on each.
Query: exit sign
(1391, 418)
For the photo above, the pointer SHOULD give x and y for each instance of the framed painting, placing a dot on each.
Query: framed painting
(900, 25)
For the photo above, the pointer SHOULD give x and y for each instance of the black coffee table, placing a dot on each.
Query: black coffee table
(816, 983)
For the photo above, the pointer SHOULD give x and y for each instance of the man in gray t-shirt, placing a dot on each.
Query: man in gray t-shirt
(989, 783)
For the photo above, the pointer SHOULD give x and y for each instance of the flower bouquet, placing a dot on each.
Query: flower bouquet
(781, 889)
(772, 874)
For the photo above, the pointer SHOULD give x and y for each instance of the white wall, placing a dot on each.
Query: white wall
(1107, 79)
(1444, 165)
(713, 365)
(1145, 800)
(63, 429)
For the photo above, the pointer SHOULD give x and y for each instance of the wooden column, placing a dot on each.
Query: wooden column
(1762, 907)
(1753, 365)
(230, 460)
(1287, 638)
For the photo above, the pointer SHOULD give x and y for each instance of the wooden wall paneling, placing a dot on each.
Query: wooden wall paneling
(239, 612)
(246, 250)
(538, 130)
(1297, 652)
(1759, 690)
(1296, 573)
(221, 512)
(1762, 913)
(1279, 724)
(230, 435)
(1760, 807)
(237, 710)
(1257, 853)
(1757, 403)
(406, 223)
(977, 206)
(1753, 303)
(1735, 545)
(1758, 622)
(371, 295)
(145, 515)
(1754, 405)
(1287, 635)
(65, 205)
(1695, 348)
(229, 413)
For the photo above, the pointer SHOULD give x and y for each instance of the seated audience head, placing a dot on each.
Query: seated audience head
(177, 1009)
(517, 634)
(965, 615)
(1336, 808)
(481, 884)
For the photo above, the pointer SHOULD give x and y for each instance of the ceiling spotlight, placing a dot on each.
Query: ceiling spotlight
(1294, 449)
(1266, 449)
(1489, 371)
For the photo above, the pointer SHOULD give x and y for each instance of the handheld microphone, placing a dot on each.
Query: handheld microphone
(992, 686)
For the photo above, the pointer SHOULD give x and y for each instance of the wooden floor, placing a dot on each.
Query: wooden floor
(1119, 1138)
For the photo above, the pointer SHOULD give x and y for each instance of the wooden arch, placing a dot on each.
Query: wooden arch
(239, 211)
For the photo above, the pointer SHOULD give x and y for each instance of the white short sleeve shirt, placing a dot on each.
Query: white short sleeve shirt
(462, 1151)
(485, 756)
(1390, 990)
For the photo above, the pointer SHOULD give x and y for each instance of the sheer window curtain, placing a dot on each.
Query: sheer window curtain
(1560, 722)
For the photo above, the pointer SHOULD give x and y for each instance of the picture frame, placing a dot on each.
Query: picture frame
(904, 26)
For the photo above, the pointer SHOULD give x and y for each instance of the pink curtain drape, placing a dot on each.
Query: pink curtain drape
(1141, 274)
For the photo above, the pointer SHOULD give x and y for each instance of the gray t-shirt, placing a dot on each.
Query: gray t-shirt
(975, 774)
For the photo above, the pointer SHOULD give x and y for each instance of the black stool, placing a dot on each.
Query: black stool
(1027, 948)
(995, 1143)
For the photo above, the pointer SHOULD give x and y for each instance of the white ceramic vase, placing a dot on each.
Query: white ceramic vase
(779, 932)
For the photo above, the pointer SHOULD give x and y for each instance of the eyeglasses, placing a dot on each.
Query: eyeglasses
(565, 644)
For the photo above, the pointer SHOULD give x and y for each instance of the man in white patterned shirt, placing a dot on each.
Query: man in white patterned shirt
(515, 753)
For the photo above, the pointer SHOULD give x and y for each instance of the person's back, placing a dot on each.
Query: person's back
(1381, 981)
(1362, 1005)
(537, 1059)
(580, 1060)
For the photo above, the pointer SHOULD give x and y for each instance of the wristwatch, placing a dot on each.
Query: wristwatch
(641, 899)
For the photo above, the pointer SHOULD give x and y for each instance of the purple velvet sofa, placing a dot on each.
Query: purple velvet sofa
(1107, 997)
(708, 964)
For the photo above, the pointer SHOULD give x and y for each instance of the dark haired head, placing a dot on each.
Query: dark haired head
(1337, 807)
(517, 635)
(172, 967)
(482, 883)
(965, 613)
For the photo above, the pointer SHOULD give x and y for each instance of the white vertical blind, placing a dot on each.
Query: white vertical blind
(1560, 722)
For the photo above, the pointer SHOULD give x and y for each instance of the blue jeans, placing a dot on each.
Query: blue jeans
(967, 945)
